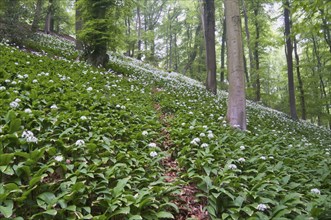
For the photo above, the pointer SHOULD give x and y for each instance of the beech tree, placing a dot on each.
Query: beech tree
(208, 21)
(236, 111)
(289, 59)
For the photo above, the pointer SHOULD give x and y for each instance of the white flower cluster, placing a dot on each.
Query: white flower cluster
(144, 133)
(195, 141)
(153, 153)
(14, 104)
(80, 143)
(59, 158)
(232, 166)
(29, 137)
(261, 207)
(54, 107)
(315, 191)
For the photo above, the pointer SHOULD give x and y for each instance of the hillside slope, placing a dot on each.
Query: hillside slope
(79, 142)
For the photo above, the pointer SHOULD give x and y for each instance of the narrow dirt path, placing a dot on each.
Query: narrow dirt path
(189, 206)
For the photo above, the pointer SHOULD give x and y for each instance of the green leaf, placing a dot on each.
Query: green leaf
(120, 186)
(51, 212)
(7, 210)
(164, 214)
(15, 125)
(5, 159)
(8, 170)
(135, 217)
(122, 211)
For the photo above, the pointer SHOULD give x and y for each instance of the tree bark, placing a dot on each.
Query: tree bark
(48, 18)
(302, 92)
(139, 55)
(78, 28)
(256, 56)
(289, 59)
(236, 111)
(208, 21)
(223, 52)
(194, 52)
(36, 18)
(248, 39)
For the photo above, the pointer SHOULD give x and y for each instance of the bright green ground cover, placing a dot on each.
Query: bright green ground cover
(77, 142)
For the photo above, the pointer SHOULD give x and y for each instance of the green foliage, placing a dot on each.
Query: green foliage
(72, 146)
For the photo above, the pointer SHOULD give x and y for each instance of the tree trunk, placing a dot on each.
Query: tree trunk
(256, 56)
(302, 93)
(289, 59)
(223, 52)
(248, 39)
(193, 54)
(36, 18)
(208, 21)
(48, 18)
(236, 111)
(139, 34)
(78, 28)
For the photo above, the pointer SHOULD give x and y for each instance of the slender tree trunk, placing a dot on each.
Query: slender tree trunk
(289, 59)
(223, 51)
(236, 112)
(139, 34)
(302, 93)
(36, 17)
(256, 56)
(208, 21)
(48, 19)
(326, 28)
(194, 52)
(78, 28)
(250, 53)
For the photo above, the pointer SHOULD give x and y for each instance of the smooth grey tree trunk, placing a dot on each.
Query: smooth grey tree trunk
(236, 111)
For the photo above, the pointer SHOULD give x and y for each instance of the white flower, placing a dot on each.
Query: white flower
(19, 76)
(118, 106)
(261, 207)
(263, 158)
(54, 106)
(89, 89)
(205, 127)
(83, 117)
(123, 107)
(80, 143)
(271, 157)
(241, 159)
(209, 132)
(28, 110)
(196, 140)
(153, 154)
(17, 100)
(144, 133)
(14, 104)
(51, 81)
(7, 81)
(151, 145)
(27, 133)
(190, 113)
(183, 124)
(25, 75)
(242, 147)
(34, 81)
(2, 88)
(232, 166)
(32, 139)
(204, 145)
(210, 136)
(191, 127)
(315, 191)
(59, 158)
(13, 82)
(202, 135)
